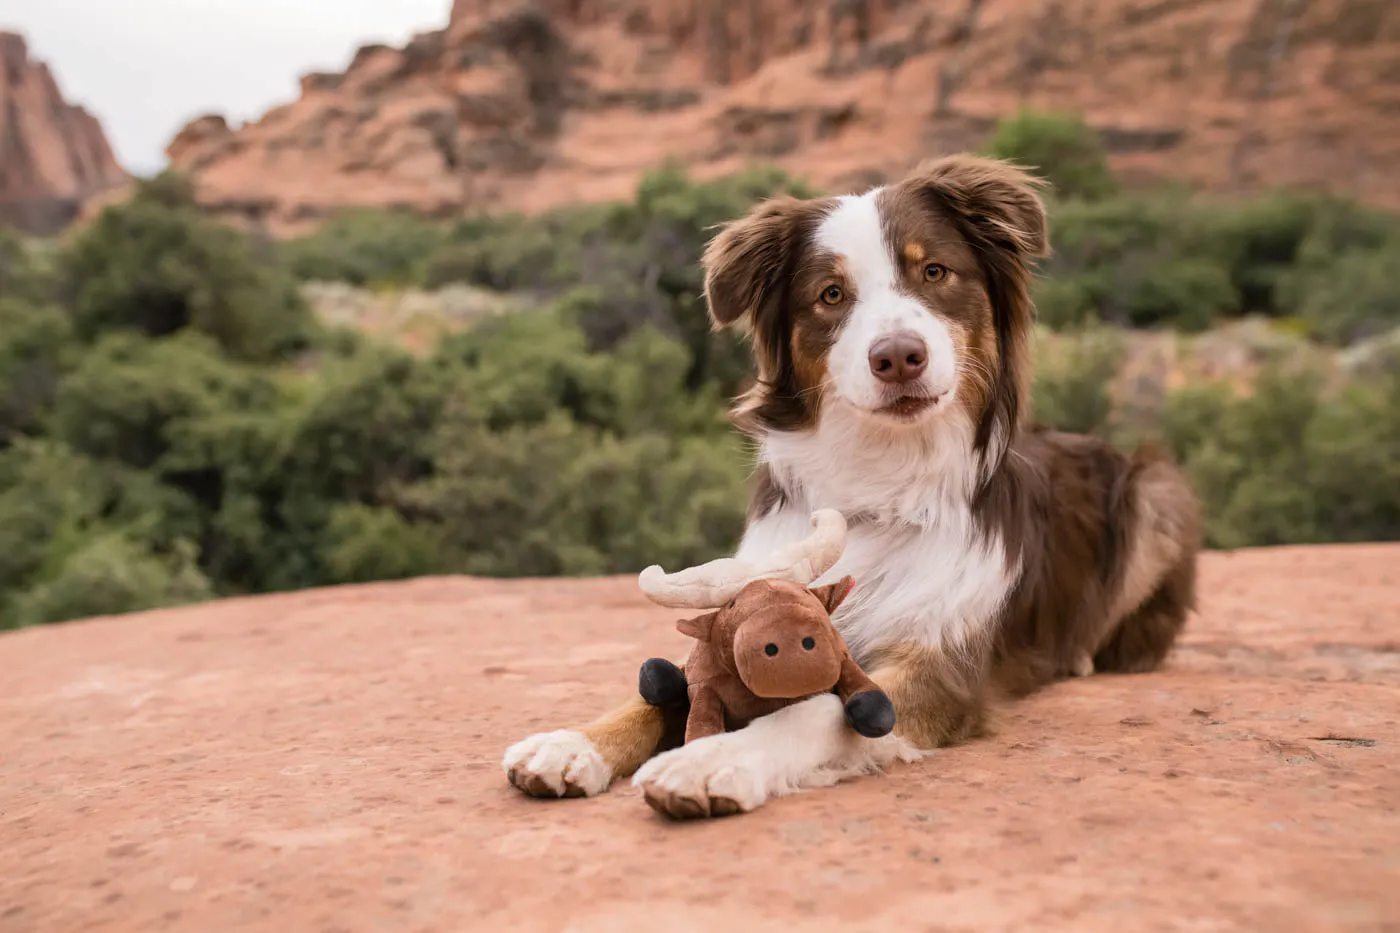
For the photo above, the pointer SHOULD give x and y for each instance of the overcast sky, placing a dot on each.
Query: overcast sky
(145, 67)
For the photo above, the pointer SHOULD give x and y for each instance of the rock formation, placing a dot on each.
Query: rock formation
(53, 154)
(526, 105)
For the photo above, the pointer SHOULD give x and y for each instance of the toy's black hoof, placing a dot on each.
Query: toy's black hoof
(661, 683)
(871, 714)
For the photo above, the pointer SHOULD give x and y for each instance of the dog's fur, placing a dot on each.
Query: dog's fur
(992, 556)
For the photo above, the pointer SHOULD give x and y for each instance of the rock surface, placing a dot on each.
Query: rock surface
(528, 104)
(53, 155)
(329, 760)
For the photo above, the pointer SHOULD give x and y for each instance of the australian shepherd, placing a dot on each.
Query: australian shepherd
(891, 334)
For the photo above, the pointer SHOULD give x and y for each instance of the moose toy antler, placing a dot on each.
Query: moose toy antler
(711, 585)
(768, 641)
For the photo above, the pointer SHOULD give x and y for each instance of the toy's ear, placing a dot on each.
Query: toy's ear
(698, 627)
(834, 594)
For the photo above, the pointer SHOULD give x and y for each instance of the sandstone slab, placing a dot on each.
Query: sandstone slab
(329, 760)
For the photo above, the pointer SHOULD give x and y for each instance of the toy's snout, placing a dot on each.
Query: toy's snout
(786, 657)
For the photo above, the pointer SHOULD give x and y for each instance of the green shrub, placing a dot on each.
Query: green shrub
(172, 427)
(156, 268)
(364, 543)
(1071, 391)
(84, 536)
(365, 247)
(1349, 296)
(26, 269)
(1187, 294)
(109, 574)
(34, 347)
(556, 497)
(125, 398)
(1061, 148)
(620, 267)
(1291, 462)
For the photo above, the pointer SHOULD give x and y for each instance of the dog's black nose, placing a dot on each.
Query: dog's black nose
(899, 358)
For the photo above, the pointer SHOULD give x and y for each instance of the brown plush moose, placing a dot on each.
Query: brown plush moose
(768, 642)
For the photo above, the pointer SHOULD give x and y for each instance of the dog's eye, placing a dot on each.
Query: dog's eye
(731, 603)
(933, 272)
(832, 295)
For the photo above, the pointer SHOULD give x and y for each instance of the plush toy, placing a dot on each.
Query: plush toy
(768, 642)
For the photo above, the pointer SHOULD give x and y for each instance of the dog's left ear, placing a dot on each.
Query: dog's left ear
(996, 202)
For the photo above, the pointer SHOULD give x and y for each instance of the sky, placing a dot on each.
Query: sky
(146, 67)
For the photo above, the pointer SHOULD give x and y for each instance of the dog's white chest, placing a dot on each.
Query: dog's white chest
(934, 585)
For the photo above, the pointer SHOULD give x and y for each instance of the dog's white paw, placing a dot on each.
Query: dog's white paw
(709, 777)
(563, 763)
(1083, 665)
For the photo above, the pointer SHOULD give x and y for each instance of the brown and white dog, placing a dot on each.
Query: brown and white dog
(891, 332)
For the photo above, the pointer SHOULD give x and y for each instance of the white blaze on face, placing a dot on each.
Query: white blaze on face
(853, 231)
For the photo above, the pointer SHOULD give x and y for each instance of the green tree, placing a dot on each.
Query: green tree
(154, 266)
(1061, 148)
(365, 247)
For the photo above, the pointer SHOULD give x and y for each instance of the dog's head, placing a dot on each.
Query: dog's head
(901, 304)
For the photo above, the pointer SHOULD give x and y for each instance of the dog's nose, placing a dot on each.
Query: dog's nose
(898, 358)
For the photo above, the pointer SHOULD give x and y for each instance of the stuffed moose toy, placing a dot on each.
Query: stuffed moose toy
(767, 642)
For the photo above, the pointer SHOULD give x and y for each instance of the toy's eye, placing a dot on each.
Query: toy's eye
(832, 295)
(770, 649)
(808, 643)
(933, 272)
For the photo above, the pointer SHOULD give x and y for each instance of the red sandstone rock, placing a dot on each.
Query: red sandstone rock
(528, 105)
(330, 760)
(53, 154)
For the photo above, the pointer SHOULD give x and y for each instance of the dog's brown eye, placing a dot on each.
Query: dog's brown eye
(832, 295)
(933, 272)
(731, 604)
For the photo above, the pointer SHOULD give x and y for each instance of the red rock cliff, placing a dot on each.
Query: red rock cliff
(53, 154)
(528, 105)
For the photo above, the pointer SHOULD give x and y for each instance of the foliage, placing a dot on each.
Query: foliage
(174, 426)
(1289, 462)
(1162, 260)
(1061, 148)
(1294, 457)
(155, 267)
(364, 247)
(623, 266)
(1072, 385)
(34, 344)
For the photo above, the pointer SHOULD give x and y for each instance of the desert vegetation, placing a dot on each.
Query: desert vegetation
(177, 424)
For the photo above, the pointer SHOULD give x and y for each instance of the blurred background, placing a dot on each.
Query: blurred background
(436, 308)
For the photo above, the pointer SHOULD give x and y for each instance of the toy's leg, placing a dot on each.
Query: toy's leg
(868, 708)
(662, 683)
(583, 762)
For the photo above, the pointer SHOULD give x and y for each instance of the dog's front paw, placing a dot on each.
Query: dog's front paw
(701, 779)
(557, 764)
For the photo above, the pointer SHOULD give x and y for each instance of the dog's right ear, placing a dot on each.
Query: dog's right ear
(748, 262)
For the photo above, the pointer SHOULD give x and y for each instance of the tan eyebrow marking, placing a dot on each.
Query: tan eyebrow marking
(914, 252)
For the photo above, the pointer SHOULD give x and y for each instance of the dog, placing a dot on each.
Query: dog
(891, 332)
